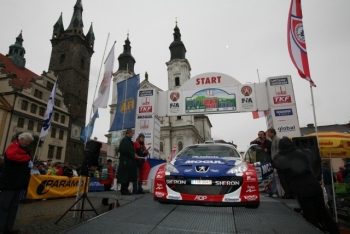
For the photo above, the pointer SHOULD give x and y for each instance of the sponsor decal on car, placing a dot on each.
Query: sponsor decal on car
(228, 199)
(227, 182)
(251, 178)
(204, 156)
(200, 198)
(214, 170)
(159, 194)
(159, 186)
(278, 81)
(251, 197)
(249, 173)
(188, 170)
(204, 161)
(173, 197)
(250, 189)
(159, 177)
(176, 181)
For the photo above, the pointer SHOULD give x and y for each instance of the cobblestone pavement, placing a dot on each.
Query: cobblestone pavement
(39, 216)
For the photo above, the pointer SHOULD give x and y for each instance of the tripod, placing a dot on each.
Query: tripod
(82, 197)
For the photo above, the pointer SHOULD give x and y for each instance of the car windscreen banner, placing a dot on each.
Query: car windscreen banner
(43, 186)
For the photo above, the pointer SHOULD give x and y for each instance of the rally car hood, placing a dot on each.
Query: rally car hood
(205, 166)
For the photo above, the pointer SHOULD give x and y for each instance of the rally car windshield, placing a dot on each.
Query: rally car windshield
(209, 150)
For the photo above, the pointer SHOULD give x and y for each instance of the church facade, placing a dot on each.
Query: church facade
(179, 131)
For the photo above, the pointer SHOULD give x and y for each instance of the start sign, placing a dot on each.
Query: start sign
(208, 80)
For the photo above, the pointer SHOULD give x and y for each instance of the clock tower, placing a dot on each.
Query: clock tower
(70, 60)
(17, 51)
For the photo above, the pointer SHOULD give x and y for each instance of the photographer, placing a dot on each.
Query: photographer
(263, 142)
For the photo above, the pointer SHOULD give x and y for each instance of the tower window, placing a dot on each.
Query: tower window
(49, 85)
(177, 81)
(82, 64)
(33, 108)
(55, 35)
(24, 105)
(62, 58)
(178, 117)
(10, 51)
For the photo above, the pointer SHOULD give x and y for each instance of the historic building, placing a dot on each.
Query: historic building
(70, 60)
(23, 99)
(179, 131)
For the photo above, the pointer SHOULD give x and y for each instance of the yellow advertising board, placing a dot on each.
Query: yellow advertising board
(43, 186)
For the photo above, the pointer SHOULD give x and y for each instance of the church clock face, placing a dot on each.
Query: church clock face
(75, 133)
(63, 46)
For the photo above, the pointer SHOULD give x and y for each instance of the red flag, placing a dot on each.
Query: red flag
(259, 114)
(296, 41)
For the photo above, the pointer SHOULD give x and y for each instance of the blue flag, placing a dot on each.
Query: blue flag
(126, 107)
(48, 114)
(87, 131)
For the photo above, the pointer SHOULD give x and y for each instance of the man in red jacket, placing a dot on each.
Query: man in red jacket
(141, 151)
(14, 178)
(107, 179)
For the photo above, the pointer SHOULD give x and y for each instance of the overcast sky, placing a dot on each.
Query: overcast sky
(235, 37)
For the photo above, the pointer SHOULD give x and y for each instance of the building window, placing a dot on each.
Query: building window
(63, 119)
(20, 122)
(161, 147)
(57, 102)
(41, 111)
(38, 94)
(59, 153)
(179, 146)
(60, 136)
(53, 132)
(30, 125)
(178, 117)
(24, 105)
(177, 81)
(56, 116)
(49, 85)
(38, 128)
(50, 152)
(33, 108)
(62, 58)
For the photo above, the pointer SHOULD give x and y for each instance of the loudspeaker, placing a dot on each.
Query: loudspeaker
(309, 146)
(92, 153)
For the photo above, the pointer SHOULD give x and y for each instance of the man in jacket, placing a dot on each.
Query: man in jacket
(274, 152)
(263, 142)
(127, 165)
(14, 178)
(303, 184)
(107, 178)
(140, 149)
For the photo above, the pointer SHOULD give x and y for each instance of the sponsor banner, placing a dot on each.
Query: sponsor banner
(289, 128)
(210, 100)
(147, 101)
(282, 99)
(280, 90)
(156, 138)
(247, 103)
(95, 185)
(43, 186)
(278, 81)
(283, 112)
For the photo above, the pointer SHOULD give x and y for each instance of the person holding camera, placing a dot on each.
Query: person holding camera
(141, 151)
(14, 179)
(263, 142)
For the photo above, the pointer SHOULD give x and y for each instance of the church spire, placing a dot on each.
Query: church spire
(90, 36)
(77, 18)
(17, 51)
(177, 47)
(58, 27)
(126, 60)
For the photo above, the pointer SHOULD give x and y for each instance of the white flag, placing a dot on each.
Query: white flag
(48, 114)
(103, 93)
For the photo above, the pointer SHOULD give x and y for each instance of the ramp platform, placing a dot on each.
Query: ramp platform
(147, 216)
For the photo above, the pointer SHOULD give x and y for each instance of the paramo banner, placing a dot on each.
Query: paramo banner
(43, 186)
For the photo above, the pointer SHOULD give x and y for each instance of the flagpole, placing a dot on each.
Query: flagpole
(313, 108)
(36, 149)
(98, 79)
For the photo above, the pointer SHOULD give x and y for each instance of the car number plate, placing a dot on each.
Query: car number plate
(201, 182)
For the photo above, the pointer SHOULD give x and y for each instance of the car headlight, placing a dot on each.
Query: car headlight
(170, 168)
(240, 168)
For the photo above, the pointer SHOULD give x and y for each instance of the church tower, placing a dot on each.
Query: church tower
(178, 67)
(17, 51)
(70, 60)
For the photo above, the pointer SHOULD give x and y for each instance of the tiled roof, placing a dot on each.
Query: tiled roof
(23, 75)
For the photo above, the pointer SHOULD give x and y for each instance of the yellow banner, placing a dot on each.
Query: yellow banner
(43, 186)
